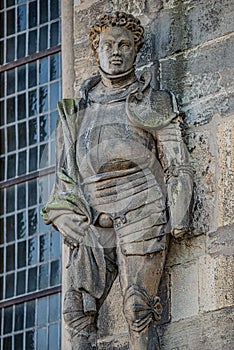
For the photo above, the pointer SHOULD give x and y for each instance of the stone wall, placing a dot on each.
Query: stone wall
(190, 51)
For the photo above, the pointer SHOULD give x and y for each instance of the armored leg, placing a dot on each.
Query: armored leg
(81, 321)
(140, 277)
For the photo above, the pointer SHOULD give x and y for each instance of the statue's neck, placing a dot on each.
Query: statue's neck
(118, 81)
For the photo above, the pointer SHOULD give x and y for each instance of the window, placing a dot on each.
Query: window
(30, 251)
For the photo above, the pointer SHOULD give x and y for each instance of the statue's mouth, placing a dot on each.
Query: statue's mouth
(116, 61)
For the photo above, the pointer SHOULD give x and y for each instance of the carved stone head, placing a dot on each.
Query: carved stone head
(116, 39)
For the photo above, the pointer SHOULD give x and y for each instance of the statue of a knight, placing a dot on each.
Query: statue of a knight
(123, 185)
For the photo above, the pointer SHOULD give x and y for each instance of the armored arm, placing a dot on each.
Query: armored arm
(174, 158)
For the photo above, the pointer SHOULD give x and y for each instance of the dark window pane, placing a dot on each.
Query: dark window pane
(1, 293)
(10, 49)
(10, 199)
(33, 159)
(19, 341)
(10, 228)
(33, 251)
(8, 320)
(21, 18)
(30, 314)
(7, 343)
(43, 99)
(43, 39)
(22, 106)
(41, 339)
(11, 142)
(10, 282)
(32, 14)
(10, 257)
(32, 74)
(44, 247)
(21, 78)
(30, 340)
(32, 96)
(42, 310)
(2, 22)
(32, 280)
(54, 34)
(10, 110)
(53, 336)
(32, 190)
(44, 162)
(11, 22)
(55, 245)
(54, 308)
(21, 196)
(11, 166)
(21, 225)
(2, 113)
(2, 85)
(54, 67)
(54, 9)
(21, 261)
(33, 131)
(1, 260)
(21, 46)
(1, 232)
(19, 317)
(32, 222)
(10, 3)
(43, 11)
(2, 169)
(43, 276)
(1, 52)
(2, 141)
(54, 95)
(43, 71)
(22, 163)
(44, 132)
(2, 205)
(55, 273)
(20, 282)
(10, 82)
(22, 139)
(32, 42)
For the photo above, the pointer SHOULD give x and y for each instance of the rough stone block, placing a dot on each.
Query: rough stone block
(212, 330)
(203, 150)
(184, 291)
(119, 342)
(216, 283)
(201, 73)
(221, 241)
(226, 173)
(187, 250)
(203, 111)
(184, 24)
(112, 320)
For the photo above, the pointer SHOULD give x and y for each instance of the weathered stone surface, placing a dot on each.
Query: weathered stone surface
(119, 342)
(221, 241)
(112, 320)
(136, 7)
(216, 283)
(184, 291)
(213, 330)
(226, 172)
(184, 24)
(201, 73)
(187, 250)
(203, 150)
(204, 110)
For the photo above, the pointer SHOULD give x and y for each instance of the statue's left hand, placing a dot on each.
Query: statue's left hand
(72, 226)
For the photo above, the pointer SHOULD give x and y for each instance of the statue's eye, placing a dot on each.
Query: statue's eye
(106, 46)
(125, 46)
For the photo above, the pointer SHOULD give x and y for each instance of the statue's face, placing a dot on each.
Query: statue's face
(116, 50)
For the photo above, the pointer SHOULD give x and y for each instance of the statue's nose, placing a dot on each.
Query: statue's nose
(116, 49)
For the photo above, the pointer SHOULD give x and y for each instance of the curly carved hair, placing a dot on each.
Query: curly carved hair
(116, 19)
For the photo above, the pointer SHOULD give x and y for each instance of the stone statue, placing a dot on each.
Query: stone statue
(123, 185)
